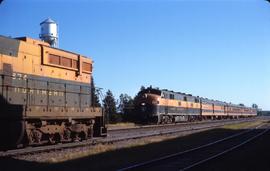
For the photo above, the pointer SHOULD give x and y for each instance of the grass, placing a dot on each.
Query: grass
(243, 125)
(100, 148)
(121, 125)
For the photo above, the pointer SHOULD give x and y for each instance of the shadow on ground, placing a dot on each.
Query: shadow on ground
(114, 160)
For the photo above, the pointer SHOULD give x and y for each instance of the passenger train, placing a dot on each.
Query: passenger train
(164, 106)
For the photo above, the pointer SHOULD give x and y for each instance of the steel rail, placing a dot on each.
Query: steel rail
(180, 123)
(31, 150)
(154, 161)
(108, 140)
(225, 151)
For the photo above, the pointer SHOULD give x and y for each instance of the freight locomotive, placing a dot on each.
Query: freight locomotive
(45, 94)
(163, 106)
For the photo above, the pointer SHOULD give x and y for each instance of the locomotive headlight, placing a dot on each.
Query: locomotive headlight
(143, 104)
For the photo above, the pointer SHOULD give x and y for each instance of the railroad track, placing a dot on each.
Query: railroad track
(126, 134)
(194, 157)
(181, 127)
(174, 124)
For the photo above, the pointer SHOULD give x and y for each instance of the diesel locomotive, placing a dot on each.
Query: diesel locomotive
(163, 106)
(45, 94)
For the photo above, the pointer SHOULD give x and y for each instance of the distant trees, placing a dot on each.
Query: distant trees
(125, 103)
(109, 105)
(255, 106)
(118, 110)
(125, 107)
(95, 94)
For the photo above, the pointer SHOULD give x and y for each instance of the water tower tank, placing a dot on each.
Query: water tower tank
(48, 32)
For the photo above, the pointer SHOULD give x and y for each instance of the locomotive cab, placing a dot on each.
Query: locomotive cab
(146, 105)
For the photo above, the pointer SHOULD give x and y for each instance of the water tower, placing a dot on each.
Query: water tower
(48, 32)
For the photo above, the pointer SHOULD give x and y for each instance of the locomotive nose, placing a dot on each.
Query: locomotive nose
(143, 107)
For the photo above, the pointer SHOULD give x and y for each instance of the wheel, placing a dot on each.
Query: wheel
(51, 139)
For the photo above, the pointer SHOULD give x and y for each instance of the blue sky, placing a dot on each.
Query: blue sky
(216, 49)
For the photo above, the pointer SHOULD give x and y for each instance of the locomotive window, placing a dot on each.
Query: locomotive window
(171, 96)
(165, 95)
(185, 98)
(54, 59)
(74, 64)
(66, 62)
(62, 61)
(162, 95)
(86, 67)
